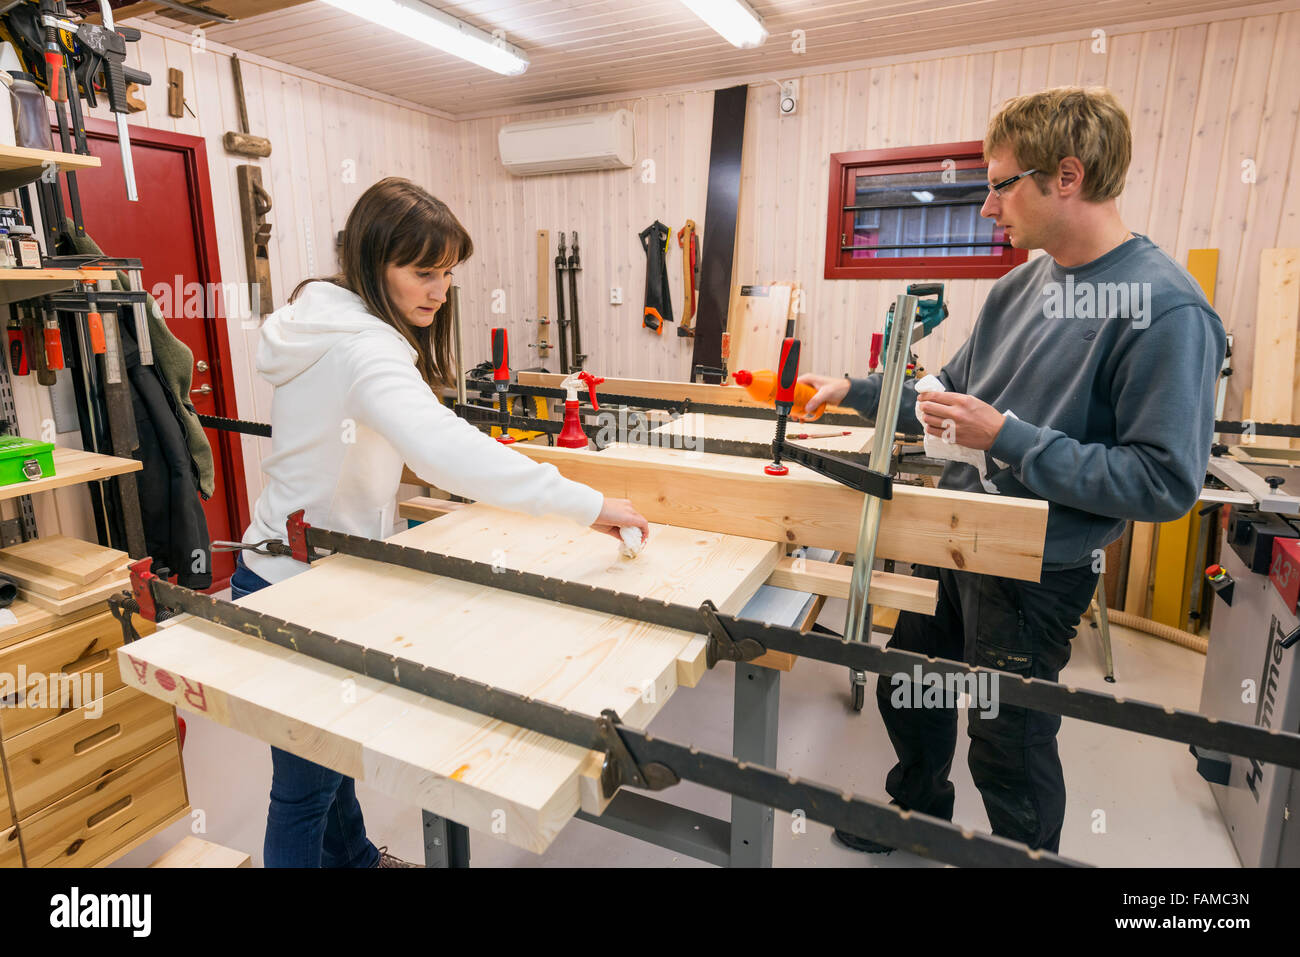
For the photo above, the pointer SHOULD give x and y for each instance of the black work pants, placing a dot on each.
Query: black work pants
(1015, 626)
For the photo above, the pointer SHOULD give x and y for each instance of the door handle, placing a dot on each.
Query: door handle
(204, 389)
(201, 366)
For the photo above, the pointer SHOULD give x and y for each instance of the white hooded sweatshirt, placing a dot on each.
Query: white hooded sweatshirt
(349, 409)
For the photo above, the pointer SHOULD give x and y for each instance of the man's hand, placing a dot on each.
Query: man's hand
(958, 418)
(617, 513)
(830, 390)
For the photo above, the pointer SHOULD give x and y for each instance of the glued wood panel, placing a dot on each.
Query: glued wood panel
(989, 534)
(479, 772)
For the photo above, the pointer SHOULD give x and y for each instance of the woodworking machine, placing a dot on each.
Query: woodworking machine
(1252, 671)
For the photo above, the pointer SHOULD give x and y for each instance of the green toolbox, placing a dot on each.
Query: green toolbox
(24, 460)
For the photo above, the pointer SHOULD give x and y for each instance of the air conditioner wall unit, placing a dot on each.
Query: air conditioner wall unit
(566, 144)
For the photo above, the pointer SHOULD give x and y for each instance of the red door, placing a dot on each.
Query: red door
(171, 231)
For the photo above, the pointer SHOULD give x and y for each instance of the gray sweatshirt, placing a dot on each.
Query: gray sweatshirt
(1110, 368)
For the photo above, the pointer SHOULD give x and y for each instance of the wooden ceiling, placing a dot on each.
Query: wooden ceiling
(609, 48)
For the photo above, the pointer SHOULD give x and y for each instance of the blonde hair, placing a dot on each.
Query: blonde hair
(1044, 128)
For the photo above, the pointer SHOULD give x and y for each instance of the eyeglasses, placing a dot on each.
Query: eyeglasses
(1010, 181)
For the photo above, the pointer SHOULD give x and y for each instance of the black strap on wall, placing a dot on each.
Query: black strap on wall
(720, 210)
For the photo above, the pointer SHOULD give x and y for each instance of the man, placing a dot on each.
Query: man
(1107, 352)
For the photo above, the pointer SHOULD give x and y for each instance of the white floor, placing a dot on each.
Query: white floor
(1133, 800)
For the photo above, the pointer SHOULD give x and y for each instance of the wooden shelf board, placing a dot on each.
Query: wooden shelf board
(73, 467)
(19, 284)
(19, 157)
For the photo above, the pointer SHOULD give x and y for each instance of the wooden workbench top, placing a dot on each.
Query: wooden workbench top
(492, 777)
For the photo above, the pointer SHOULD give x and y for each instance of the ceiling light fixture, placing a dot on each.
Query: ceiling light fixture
(421, 22)
(734, 19)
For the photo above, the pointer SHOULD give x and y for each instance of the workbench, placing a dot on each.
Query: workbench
(722, 542)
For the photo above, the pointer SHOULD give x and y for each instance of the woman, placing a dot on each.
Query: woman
(355, 360)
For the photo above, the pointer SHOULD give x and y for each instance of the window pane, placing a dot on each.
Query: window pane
(922, 214)
(928, 186)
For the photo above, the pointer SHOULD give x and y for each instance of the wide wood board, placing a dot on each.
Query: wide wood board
(492, 777)
(59, 556)
(826, 438)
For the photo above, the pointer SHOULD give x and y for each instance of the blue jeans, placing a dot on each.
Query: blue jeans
(314, 819)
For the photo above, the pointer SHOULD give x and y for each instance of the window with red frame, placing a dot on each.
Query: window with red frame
(913, 213)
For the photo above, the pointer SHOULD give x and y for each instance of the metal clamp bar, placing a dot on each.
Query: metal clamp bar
(857, 623)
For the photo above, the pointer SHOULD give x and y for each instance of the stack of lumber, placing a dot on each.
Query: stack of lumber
(61, 575)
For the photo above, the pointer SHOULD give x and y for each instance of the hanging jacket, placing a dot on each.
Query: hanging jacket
(175, 364)
(175, 528)
(658, 302)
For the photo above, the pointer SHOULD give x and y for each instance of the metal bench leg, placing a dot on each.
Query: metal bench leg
(754, 738)
(446, 843)
(1101, 622)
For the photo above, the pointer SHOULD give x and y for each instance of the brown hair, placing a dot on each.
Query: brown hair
(396, 223)
(1044, 128)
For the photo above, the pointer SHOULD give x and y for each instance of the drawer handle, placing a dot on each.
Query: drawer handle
(86, 661)
(100, 816)
(96, 739)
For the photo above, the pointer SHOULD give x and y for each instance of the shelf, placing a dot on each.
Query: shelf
(19, 284)
(73, 467)
(20, 166)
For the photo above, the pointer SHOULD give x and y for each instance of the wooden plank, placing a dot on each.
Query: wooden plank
(423, 508)
(1139, 568)
(95, 594)
(35, 160)
(828, 438)
(988, 534)
(758, 326)
(60, 589)
(481, 773)
(1273, 396)
(888, 589)
(70, 559)
(1167, 599)
(191, 851)
(73, 467)
(1176, 540)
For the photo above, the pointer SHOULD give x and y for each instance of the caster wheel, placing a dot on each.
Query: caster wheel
(857, 689)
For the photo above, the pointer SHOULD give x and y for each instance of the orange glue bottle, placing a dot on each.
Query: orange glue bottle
(762, 387)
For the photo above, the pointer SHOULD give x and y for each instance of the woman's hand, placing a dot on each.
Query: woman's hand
(830, 389)
(618, 513)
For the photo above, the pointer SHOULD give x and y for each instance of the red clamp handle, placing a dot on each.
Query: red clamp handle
(141, 575)
(500, 356)
(54, 65)
(18, 350)
(877, 342)
(788, 376)
(591, 382)
(297, 531)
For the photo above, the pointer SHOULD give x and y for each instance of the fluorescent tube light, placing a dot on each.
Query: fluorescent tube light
(421, 22)
(734, 19)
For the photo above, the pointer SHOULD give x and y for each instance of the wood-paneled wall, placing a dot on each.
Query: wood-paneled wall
(1204, 97)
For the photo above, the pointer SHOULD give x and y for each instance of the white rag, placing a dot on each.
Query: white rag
(937, 447)
(631, 546)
